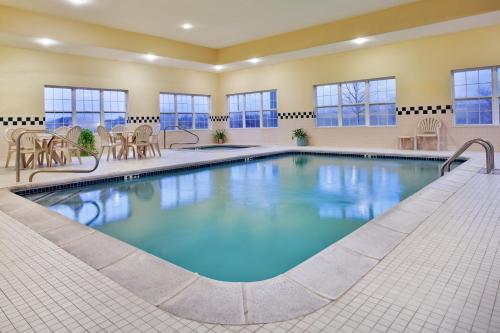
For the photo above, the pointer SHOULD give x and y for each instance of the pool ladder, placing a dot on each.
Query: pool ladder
(51, 170)
(488, 148)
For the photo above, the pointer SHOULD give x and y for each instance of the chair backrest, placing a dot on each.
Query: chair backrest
(142, 134)
(15, 133)
(74, 134)
(120, 128)
(62, 131)
(104, 135)
(156, 129)
(28, 141)
(8, 134)
(428, 126)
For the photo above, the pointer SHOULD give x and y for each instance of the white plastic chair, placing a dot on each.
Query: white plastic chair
(11, 149)
(29, 146)
(62, 131)
(106, 141)
(428, 128)
(155, 139)
(120, 128)
(141, 140)
(67, 150)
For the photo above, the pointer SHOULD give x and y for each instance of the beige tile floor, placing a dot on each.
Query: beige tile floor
(444, 277)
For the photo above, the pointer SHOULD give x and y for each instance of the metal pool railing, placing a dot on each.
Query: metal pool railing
(51, 170)
(488, 147)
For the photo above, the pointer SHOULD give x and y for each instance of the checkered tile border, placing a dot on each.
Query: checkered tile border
(16, 121)
(143, 119)
(219, 118)
(297, 115)
(429, 109)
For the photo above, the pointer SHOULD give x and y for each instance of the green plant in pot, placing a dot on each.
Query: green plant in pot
(300, 135)
(87, 140)
(220, 136)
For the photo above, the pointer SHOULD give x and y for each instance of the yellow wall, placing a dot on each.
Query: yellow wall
(23, 74)
(422, 69)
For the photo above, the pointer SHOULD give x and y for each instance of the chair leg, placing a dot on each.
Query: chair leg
(78, 156)
(109, 151)
(9, 154)
(68, 157)
(158, 147)
(114, 153)
(153, 149)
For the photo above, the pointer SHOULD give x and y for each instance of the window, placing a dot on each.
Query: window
(184, 111)
(253, 110)
(88, 108)
(115, 108)
(201, 111)
(84, 107)
(58, 107)
(353, 103)
(327, 105)
(236, 111)
(269, 109)
(382, 102)
(357, 103)
(474, 91)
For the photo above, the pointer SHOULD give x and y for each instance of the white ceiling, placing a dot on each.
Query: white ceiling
(457, 25)
(217, 23)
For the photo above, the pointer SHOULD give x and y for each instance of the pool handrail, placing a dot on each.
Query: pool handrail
(179, 143)
(51, 170)
(488, 148)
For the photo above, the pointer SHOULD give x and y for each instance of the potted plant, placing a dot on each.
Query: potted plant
(220, 136)
(87, 140)
(300, 135)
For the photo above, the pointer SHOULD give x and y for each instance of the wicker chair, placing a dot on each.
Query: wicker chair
(141, 140)
(428, 128)
(106, 141)
(155, 139)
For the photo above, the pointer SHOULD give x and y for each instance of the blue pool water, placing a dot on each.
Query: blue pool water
(246, 221)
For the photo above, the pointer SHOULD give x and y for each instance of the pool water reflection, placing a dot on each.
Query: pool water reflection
(246, 221)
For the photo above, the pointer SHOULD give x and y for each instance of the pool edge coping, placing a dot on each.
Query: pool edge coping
(297, 292)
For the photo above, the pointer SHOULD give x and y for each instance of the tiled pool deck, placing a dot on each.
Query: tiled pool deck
(444, 276)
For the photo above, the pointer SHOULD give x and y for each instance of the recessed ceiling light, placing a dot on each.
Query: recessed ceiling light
(254, 60)
(150, 57)
(186, 26)
(46, 41)
(78, 2)
(360, 40)
(218, 67)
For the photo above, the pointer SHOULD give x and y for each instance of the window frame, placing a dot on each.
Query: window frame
(193, 113)
(74, 112)
(261, 109)
(340, 105)
(495, 95)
